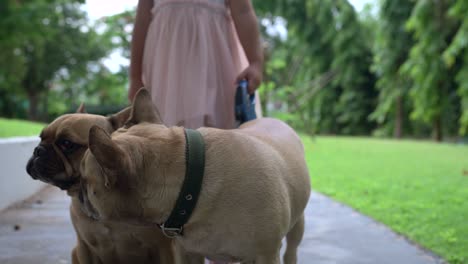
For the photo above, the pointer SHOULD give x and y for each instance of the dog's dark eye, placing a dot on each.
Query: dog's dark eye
(67, 145)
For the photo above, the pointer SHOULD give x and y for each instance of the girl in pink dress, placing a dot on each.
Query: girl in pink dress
(191, 53)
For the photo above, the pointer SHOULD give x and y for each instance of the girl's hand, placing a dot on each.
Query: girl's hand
(253, 74)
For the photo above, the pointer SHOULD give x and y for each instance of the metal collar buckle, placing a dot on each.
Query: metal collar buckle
(171, 232)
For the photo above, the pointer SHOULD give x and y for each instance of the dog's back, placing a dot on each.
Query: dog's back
(289, 146)
(256, 184)
(274, 132)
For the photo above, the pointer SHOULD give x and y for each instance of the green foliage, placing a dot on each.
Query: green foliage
(329, 64)
(416, 49)
(351, 60)
(118, 29)
(392, 44)
(51, 40)
(432, 84)
(458, 51)
(418, 189)
(97, 87)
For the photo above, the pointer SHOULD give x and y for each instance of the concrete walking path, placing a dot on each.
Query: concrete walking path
(39, 230)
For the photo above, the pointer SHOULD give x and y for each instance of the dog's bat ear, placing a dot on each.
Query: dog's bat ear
(107, 153)
(143, 109)
(81, 109)
(118, 120)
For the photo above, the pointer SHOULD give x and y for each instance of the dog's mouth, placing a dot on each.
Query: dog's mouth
(39, 169)
(66, 184)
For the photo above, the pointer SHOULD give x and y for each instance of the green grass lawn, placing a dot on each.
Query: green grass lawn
(419, 189)
(15, 128)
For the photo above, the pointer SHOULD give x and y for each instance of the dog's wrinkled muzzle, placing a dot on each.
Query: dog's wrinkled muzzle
(45, 167)
(38, 153)
(29, 168)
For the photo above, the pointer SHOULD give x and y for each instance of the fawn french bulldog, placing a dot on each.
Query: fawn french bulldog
(56, 161)
(253, 184)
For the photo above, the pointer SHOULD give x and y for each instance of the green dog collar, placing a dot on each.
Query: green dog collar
(190, 191)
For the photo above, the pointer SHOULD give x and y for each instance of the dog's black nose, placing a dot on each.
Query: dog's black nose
(40, 151)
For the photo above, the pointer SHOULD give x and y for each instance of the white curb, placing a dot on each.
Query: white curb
(15, 183)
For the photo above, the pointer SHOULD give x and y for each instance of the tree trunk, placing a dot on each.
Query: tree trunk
(397, 132)
(437, 129)
(33, 106)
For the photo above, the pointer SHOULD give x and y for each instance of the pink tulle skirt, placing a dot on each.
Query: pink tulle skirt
(191, 59)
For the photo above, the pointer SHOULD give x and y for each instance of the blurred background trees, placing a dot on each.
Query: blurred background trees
(397, 69)
(51, 59)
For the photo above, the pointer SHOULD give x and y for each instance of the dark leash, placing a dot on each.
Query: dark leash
(244, 108)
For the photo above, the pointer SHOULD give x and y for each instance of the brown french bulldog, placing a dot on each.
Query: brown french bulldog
(56, 161)
(254, 190)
